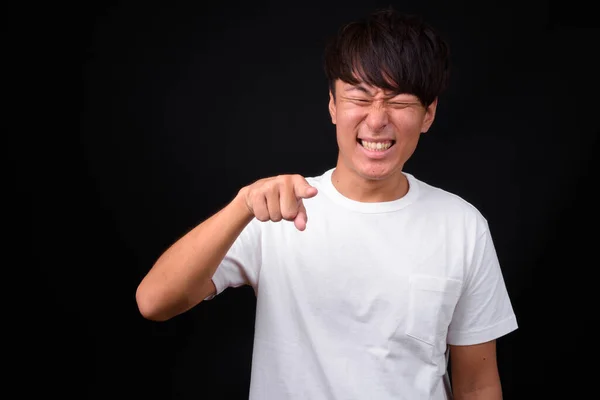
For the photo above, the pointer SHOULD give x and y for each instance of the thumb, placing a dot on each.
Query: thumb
(301, 218)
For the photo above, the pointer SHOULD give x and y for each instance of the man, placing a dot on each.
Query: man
(391, 276)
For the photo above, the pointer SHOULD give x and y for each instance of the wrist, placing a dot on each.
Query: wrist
(240, 205)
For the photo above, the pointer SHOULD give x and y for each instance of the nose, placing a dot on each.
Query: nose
(377, 118)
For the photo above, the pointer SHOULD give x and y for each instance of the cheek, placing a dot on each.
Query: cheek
(349, 119)
(408, 125)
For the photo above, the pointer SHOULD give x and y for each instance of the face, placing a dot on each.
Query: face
(377, 132)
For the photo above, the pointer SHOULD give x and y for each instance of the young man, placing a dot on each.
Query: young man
(390, 276)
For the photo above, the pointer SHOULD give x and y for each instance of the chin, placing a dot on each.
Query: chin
(377, 173)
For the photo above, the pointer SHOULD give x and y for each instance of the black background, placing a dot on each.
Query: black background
(139, 120)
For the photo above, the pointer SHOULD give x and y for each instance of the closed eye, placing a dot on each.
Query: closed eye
(400, 105)
(360, 101)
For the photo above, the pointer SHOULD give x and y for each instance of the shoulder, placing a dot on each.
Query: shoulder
(449, 206)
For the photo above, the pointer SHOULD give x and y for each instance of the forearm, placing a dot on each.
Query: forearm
(180, 278)
(493, 392)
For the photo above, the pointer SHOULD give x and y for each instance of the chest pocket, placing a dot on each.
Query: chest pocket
(432, 301)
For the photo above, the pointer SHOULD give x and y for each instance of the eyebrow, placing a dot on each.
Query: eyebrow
(364, 89)
(360, 88)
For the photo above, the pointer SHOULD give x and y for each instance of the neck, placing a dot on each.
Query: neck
(367, 190)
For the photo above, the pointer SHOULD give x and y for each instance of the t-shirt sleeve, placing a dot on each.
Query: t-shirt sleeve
(241, 265)
(484, 311)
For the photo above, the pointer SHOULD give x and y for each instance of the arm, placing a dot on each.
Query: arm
(475, 372)
(181, 277)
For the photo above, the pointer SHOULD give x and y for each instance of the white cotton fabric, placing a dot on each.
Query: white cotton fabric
(362, 304)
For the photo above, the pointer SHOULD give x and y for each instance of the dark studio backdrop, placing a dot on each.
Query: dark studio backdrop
(177, 105)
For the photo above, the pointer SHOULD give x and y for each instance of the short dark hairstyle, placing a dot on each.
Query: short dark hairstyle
(392, 51)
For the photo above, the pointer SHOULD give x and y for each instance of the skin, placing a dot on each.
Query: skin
(181, 277)
(362, 111)
(475, 372)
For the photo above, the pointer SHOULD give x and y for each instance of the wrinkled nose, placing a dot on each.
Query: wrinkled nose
(377, 119)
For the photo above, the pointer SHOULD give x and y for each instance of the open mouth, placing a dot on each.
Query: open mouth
(376, 146)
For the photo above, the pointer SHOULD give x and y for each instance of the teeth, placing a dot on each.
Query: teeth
(375, 146)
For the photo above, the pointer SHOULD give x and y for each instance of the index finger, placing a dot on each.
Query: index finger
(302, 189)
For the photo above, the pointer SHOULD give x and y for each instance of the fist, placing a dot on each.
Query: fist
(280, 197)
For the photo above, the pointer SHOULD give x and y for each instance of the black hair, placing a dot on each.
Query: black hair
(392, 51)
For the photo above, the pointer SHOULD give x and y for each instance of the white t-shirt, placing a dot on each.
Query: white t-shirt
(362, 304)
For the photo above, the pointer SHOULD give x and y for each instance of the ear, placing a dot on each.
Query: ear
(332, 108)
(429, 116)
